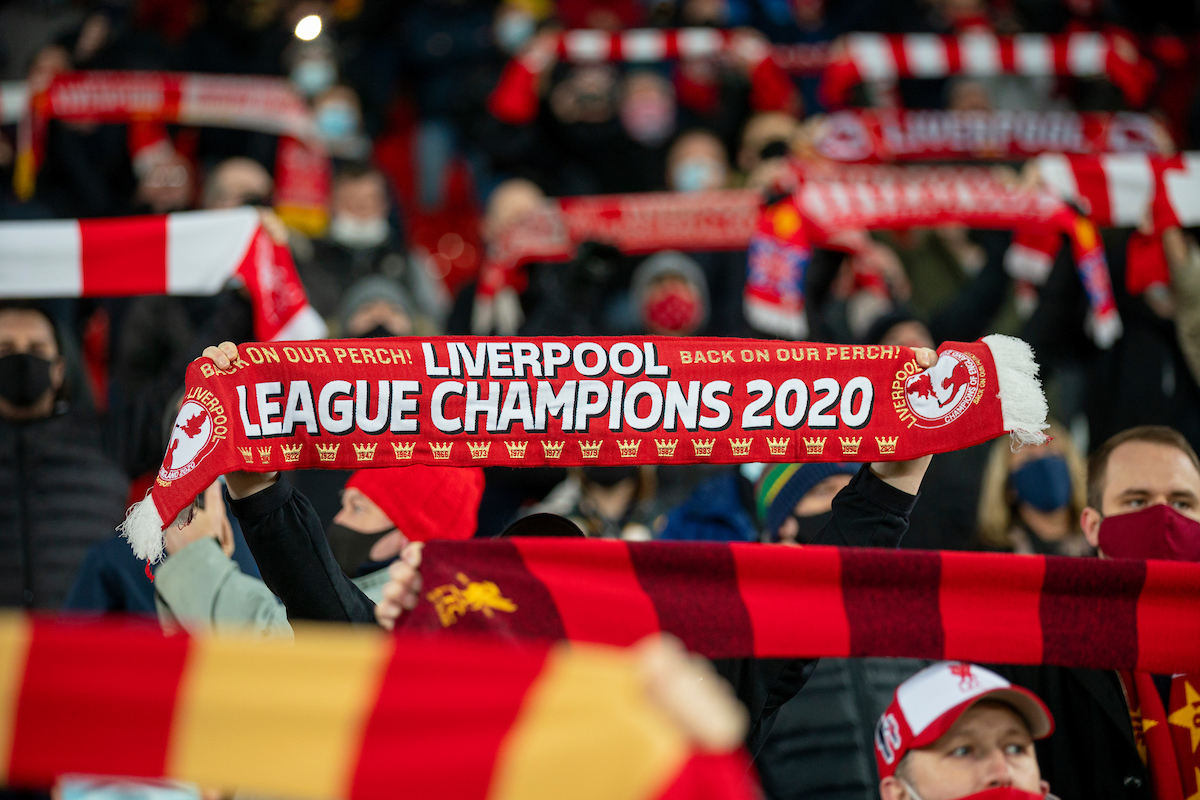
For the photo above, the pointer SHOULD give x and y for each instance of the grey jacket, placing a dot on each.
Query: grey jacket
(202, 590)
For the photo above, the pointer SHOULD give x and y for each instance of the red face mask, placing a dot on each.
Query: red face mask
(1003, 793)
(1155, 532)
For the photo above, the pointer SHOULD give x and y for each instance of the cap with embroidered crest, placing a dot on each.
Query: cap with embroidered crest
(926, 706)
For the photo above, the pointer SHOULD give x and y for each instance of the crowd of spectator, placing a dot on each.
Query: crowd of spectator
(427, 176)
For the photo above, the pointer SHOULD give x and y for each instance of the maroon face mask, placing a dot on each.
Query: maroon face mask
(1155, 532)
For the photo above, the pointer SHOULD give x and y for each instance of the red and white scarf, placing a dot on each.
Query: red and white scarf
(865, 135)
(151, 100)
(888, 57)
(1118, 191)
(515, 98)
(837, 203)
(350, 403)
(190, 253)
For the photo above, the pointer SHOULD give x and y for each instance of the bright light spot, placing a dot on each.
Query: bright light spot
(308, 28)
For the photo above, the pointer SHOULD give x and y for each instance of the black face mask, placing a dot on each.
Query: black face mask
(24, 378)
(378, 332)
(810, 526)
(352, 549)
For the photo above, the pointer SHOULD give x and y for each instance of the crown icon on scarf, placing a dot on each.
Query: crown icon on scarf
(741, 447)
(703, 447)
(777, 447)
(403, 450)
(328, 452)
(247, 453)
(291, 452)
(516, 449)
(850, 446)
(264, 454)
(814, 447)
(365, 452)
(553, 449)
(591, 449)
(441, 450)
(666, 447)
(479, 449)
(629, 449)
(887, 445)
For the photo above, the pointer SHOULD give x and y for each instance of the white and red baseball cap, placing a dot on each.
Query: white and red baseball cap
(926, 705)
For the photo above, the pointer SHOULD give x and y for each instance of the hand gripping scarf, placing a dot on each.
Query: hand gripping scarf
(148, 101)
(189, 253)
(567, 402)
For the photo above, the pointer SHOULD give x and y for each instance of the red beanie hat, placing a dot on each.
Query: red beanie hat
(425, 502)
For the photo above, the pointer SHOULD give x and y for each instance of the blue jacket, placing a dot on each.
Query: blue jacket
(715, 512)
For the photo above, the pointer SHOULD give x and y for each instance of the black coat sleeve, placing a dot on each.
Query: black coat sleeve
(867, 513)
(289, 545)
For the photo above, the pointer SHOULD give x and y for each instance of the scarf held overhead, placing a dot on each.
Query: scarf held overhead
(148, 101)
(739, 600)
(351, 404)
(344, 715)
(189, 253)
(867, 135)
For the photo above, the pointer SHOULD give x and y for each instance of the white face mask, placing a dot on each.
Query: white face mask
(355, 232)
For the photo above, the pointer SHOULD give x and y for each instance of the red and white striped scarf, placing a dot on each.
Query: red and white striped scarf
(190, 253)
(889, 57)
(149, 101)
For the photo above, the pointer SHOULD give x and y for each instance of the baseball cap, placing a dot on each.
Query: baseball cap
(926, 705)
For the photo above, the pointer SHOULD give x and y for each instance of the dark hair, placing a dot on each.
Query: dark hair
(30, 305)
(1154, 434)
(355, 170)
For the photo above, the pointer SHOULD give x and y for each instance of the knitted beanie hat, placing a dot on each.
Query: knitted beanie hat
(425, 502)
(781, 486)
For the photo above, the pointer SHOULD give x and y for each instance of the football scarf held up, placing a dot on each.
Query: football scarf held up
(748, 600)
(352, 404)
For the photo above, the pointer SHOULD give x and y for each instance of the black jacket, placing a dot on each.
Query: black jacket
(287, 541)
(1092, 751)
(59, 495)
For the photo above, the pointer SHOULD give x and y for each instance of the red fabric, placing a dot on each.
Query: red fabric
(1152, 734)
(1134, 78)
(96, 699)
(821, 601)
(976, 600)
(1145, 262)
(455, 402)
(867, 135)
(600, 599)
(425, 502)
(771, 89)
(515, 98)
(122, 257)
(270, 276)
(414, 730)
(150, 100)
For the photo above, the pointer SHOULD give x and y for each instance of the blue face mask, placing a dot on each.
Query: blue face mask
(1044, 484)
(696, 175)
(337, 120)
(313, 76)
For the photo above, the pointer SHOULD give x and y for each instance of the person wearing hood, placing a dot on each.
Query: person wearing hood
(670, 295)
(362, 242)
(59, 491)
(1143, 502)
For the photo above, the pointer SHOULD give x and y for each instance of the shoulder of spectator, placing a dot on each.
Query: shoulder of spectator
(185, 564)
